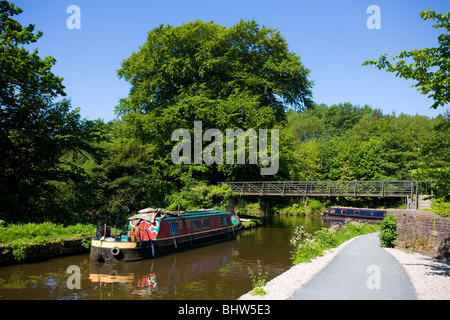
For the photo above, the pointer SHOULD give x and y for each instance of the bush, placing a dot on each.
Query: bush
(199, 194)
(388, 232)
(307, 246)
(327, 238)
(308, 250)
(293, 210)
(251, 209)
(441, 208)
(304, 208)
(315, 206)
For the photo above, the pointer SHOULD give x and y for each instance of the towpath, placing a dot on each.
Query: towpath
(361, 271)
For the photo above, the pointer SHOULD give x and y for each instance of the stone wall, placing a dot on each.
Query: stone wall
(57, 249)
(423, 231)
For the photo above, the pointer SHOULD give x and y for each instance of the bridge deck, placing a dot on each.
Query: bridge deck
(397, 188)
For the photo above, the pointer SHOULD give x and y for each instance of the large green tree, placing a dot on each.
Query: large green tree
(38, 126)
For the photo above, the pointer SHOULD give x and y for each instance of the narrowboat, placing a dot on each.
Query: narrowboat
(155, 232)
(356, 213)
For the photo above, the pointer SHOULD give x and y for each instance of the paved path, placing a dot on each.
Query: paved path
(361, 271)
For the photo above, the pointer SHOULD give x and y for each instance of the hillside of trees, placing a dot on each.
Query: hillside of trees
(58, 167)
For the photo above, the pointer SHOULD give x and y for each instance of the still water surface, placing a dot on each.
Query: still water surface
(214, 272)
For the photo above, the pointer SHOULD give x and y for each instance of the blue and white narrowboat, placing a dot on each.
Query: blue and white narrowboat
(356, 213)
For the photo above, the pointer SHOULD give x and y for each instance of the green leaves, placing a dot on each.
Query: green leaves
(388, 233)
(429, 67)
(199, 194)
(19, 238)
(242, 77)
(345, 142)
(36, 131)
(439, 176)
(206, 59)
(307, 247)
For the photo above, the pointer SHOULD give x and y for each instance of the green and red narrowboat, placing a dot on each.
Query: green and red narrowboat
(155, 232)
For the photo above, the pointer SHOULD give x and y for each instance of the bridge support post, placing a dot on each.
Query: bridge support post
(417, 195)
(230, 206)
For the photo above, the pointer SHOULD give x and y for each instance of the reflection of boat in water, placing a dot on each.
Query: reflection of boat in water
(146, 278)
(155, 232)
(111, 277)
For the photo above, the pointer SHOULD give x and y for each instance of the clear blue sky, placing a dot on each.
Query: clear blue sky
(330, 36)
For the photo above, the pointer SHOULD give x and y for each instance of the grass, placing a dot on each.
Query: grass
(441, 208)
(20, 237)
(309, 246)
(258, 280)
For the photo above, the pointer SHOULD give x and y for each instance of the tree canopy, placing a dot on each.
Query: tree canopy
(430, 68)
(229, 78)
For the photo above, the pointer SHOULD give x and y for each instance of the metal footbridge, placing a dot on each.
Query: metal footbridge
(384, 188)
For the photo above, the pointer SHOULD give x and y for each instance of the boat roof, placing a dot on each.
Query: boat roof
(150, 214)
(351, 208)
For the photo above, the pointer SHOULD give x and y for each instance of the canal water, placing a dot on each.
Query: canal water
(215, 272)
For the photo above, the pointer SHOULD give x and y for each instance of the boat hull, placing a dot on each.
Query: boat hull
(131, 251)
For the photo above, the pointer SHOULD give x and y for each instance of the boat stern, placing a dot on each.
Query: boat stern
(112, 250)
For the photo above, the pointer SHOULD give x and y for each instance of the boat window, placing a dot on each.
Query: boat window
(173, 228)
(205, 223)
(195, 225)
(223, 221)
(181, 224)
(343, 211)
(187, 223)
(356, 211)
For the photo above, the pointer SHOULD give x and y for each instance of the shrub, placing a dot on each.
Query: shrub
(442, 208)
(305, 208)
(200, 195)
(251, 209)
(308, 250)
(388, 232)
(307, 246)
(315, 206)
(293, 210)
(327, 238)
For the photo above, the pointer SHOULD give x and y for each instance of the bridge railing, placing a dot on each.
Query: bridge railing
(384, 188)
